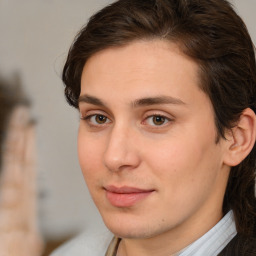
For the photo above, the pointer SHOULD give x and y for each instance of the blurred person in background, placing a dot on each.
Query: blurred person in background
(166, 92)
(19, 235)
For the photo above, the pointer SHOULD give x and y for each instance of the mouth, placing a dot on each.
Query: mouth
(126, 196)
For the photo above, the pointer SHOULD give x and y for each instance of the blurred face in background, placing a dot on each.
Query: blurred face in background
(147, 142)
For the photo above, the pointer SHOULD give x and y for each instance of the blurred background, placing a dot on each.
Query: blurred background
(35, 36)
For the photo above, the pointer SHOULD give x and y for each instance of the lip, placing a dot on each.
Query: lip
(126, 196)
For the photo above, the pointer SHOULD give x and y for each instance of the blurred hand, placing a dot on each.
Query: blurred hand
(19, 235)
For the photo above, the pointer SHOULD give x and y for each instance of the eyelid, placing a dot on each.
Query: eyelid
(88, 114)
(84, 113)
(93, 113)
(157, 114)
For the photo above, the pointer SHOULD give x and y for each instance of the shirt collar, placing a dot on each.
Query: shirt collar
(215, 240)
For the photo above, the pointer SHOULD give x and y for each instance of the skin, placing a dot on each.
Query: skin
(122, 143)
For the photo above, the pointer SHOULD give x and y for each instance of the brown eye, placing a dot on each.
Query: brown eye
(158, 120)
(96, 119)
(100, 119)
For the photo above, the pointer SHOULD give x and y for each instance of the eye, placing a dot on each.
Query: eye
(96, 119)
(157, 120)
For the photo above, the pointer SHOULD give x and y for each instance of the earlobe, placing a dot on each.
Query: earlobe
(242, 138)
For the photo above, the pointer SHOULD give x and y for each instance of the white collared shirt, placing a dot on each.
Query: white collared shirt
(215, 240)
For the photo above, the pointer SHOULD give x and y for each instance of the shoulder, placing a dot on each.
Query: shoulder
(240, 245)
(88, 243)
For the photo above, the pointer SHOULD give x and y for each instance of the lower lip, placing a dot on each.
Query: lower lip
(127, 199)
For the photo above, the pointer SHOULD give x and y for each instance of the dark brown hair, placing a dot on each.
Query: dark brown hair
(214, 36)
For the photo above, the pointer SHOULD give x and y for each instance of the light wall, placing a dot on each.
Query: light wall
(34, 39)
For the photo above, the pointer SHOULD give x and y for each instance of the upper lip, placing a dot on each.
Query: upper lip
(126, 189)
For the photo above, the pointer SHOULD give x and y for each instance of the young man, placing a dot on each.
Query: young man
(166, 91)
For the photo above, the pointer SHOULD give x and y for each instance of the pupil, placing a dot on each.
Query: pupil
(158, 120)
(101, 119)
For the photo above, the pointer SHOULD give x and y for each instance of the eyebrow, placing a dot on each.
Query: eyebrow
(91, 100)
(157, 100)
(137, 103)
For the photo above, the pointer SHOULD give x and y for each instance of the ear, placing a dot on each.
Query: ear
(241, 139)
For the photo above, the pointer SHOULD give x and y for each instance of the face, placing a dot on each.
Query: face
(146, 141)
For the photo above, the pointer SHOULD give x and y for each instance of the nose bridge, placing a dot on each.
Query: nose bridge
(120, 150)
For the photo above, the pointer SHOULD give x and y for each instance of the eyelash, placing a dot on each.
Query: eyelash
(88, 118)
(165, 122)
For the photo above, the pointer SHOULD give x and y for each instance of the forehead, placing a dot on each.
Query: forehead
(140, 54)
(141, 69)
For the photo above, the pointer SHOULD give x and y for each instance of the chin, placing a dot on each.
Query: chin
(130, 232)
(133, 228)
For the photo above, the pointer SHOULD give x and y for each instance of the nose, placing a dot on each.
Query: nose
(121, 152)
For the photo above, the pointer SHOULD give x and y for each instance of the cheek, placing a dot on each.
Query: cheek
(89, 155)
(184, 160)
(186, 173)
(173, 157)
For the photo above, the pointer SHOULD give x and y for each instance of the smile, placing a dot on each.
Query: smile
(125, 196)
